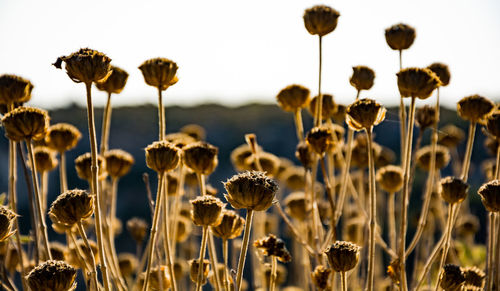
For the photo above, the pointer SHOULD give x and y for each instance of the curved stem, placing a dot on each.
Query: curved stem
(161, 115)
(299, 127)
(203, 247)
(274, 267)
(244, 247)
(468, 152)
(92, 258)
(294, 230)
(373, 212)
(319, 100)
(106, 123)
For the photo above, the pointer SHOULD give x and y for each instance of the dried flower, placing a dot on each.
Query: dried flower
(400, 36)
(83, 164)
(417, 82)
(72, 206)
(57, 250)
(26, 123)
(442, 71)
(231, 225)
(200, 157)
(328, 109)
(269, 163)
(490, 195)
(297, 205)
(52, 276)
(493, 124)
(342, 256)
(425, 116)
(14, 89)
(127, 263)
(474, 278)
(390, 178)
(474, 108)
(162, 156)
(195, 131)
(62, 137)
(159, 72)
(180, 139)
(184, 228)
(7, 217)
(293, 97)
(194, 267)
(305, 155)
(294, 178)
(453, 190)
(320, 20)
(362, 78)
(273, 246)
(86, 65)
(45, 159)
(320, 139)
(364, 113)
(239, 157)
(115, 82)
(250, 190)
(206, 211)
(450, 136)
(118, 163)
(452, 278)
(423, 157)
(138, 228)
(321, 277)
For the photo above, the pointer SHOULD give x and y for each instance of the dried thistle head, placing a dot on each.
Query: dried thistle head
(58, 251)
(320, 139)
(194, 266)
(118, 162)
(45, 159)
(7, 217)
(474, 278)
(474, 108)
(26, 123)
(425, 116)
(159, 72)
(206, 210)
(452, 278)
(195, 131)
(423, 157)
(400, 36)
(321, 277)
(62, 137)
(493, 124)
(328, 109)
(72, 206)
(362, 78)
(490, 195)
(390, 178)
(293, 97)
(231, 225)
(364, 113)
(304, 154)
(52, 276)
(138, 228)
(201, 157)
(450, 136)
(268, 161)
(127, 263)
(342, 256)
(417, 82)
(294, 178)
(162, 156)
(83, 164)
(115, 82)
(453, 190)
(442, 71)
(251, 190)
(86, 65)
(14, 89)
(273, 246)
(320, 20)
(184, 229)
(297, 205)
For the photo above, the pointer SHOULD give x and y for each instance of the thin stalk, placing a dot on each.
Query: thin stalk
(44, 185)
(95, 188)
(106, 123)
(63, 181)
(402, 116)
(176, 207)
(79, 252)
(491, 251)
(373, 212)
(344, 281)
(201, 182)
(294, 230)
(161, 115)
(319, 101)
(212, 253)
(203, 247)
(274, 267)
(391, 221)
(166, 238)
(468, 152)
(449, 228)
(244, 247)
(299, 127)
(328, 186)
(93, 270)
(497, 253)
(225, 255)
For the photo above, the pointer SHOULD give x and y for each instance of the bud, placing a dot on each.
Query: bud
(423, 157)
(320, 20)
(453, 190)
(273, 246)
(417, 82)
(193, 270)
(425, 116)
(115, 82)
(206, 211)
(490, 195)
(297, 205)
(305, 155)
(118, 163)
(45, 159)
(452, 278)
(474, 108)
(362, 78)
(342, 256)
(400, 36)
(7, 217)
(293, 98)
(159, 72)
(72, 206)
(450, 136)
(52, 276)
(231, 225)
(26, 123)
(200, 157)
(127, 263)
(364, 113)
(14, 89)
(195, 131)
(328, 109)
(474, 278)
(250, 190)
(162, 156)
(321, 277)
(390, 178)
(86, 65)
(442, 71)
(62, 137)
(138, 228)
(83, 166)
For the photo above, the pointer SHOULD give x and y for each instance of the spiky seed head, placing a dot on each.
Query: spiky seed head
(362, 78)
(320, 20)
(364, 113)
(118, 162)
(201, 157)
(273, 246)
(474, 278)
(452, 278)
(83, 166)
(490, 195)
(321, 277)
(493, 124)
(62, 137)
(138, 228)
(45, 159)
(86, 65)
(293, 97)
(390, 178)
(297, 205)
(127, 263)
(304, 154)
(159, 72)
(52, 276)
(269, 163)
(450, 136)
(423, 157)
(206, 210)
(231, 225)
(417, 82)
(194, 266)
(453, 190)
(115, 82)
(26, 123)
(180, 139)
(195, 131)
(58, 251)
(400, 36)
(442, 71)
(425, 116)
(72, 206)
(162, 156)
(329, 107)
(251, 190)
(7, 218)
(474, 108)
(342, 256)
(14, 89)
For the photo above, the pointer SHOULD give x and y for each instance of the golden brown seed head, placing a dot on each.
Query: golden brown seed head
(118, 163)
(26, 123)
(83, 166)
(127, 263)
(417, 82)
(452, 278)
(474, 108)
(159, 72)
(269, 163)
(162, 156)
(362, 78)
(206, 210)
(57, 250)
(45, 159)
(180, 139)
(329, 106)
(423, 157)
(184, 228)
(320, 20)
(251, 190)
(442, 71)
(294, 178)
(490, 195)
(14, 89)
(390, 178)
(231, 225)
(200, 157)
(425, 116)
(304, 154)
(453, 190)
(195, 131)
(7, 217)
(86, 65)
(321, 277)
(342, 256)
(62, 137)
(52, 276)
(364, 113)
(450, 136)
(297, 205)
(474, 278)
(138, 228)
(339, 115)
(194, 267)
(72, 206)
(320, 139)
(493, 124)
(115, 82)
(273, 246)
(239, 157)
(293, 97)
(400, 36)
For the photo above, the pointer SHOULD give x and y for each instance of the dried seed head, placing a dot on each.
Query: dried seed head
(200, 157)
(83, 166)
(159, 273)
(162, 156)
(127, 263)
(490, 195)
(342, 256)
(453, 190)
(184, 229)
(474, 108)
(320, 20)
(297, 206)
(423, 157)
(14, 89)
(58, 250)
(273, 246)
(239, 157)
(194, 267)
(328, 109)
(294, 178)
(362, 78)
(159, 72)
(442, 71)
(281, 274)
(180, 268)
(172, 183)
(62, 137)
(118, 163)
(400, 36)
(26, 123)
(364, 113)
(452, 278)
(293, 98)
(86, 65)
(321, 277)
(231, 225)
(72, 206)
(221, 268)
(450, 136)
(138, 228)
(390, 178)
(384, 157)
(45, 159)
(417, 82)
(195, 131)
(339, 115)
(474, 278)
(7, 217)
(52, 276)
(354, 229)
(180, 139)
(320, 139)
(115, 82)
(360, 151)
(269, 163)
(250, 190)
(493, 124)
(467, 225)
(74, 258)
(425, 116)
(304, 154)
(206, 211)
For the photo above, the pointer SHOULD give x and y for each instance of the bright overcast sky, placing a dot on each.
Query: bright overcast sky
(235, 52)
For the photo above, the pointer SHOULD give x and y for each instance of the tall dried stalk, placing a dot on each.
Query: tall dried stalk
(63, 181)
(449, 227)
(166, 238)
(373, 212)
(93, 270)
(203, 247)
(106, 123)
(244, 248)
(274, 273)
(319, 101)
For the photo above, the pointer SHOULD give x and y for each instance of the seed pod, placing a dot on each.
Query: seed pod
(452, 278)
(194, 267)
(26, 123)
(364, 113)
(137, 227)
(14, 89)
(400, 36)
(417, 82)
(297, 206)
(206, 211)
(7, 217)
(269, 163)
(195, 131)
(320, 20)
(321, 277)
(320, 139)
(86, 65)
(423, 157)
(57, 250)
(425, 116)
(294, 178)
(328, 109)
(118, 163)
(52, 276)
(474, 278)
(281, 274)
(305, 155)
(450, 136)
(231, 225)
(293, 98)
(115, 82)
(474, 108)
(273, 246)
(162, 156)
(251, 190)
(442, 71)
(342, 256)
(159, 72)
(362, 78)
(62, 137)
(390, 178)
(200, 157)
(127, 263)
(72, 206)
(83, 164)
(453, 190)
(490, 195)
(45, 159)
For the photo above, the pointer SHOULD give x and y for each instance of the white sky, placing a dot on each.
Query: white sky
(235, 52)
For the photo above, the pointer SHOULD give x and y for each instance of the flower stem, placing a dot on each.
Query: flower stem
(491, 251)
(274, 267)
(344, 281)
(92, 258)
(106, 123)
(161, 115)
(446, 247)
(244, 247)
(391, 221)
(299, 126)
(468, 152)
(166, 238)
(203, 247)
(63, 181)
(319, 100)
(373, 212)
(213, 260)
(225, 255)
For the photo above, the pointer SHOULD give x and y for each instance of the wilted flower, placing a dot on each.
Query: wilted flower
(201, 157)
(297, 205)
(72, 206)
(362, 78)
(273, 246)
(453, 190)
(115, 82)
(452, 278)
(45, 159)
(328, 108)
(423, 157)
(231, 225)
(474, 278)
(62, 137)
(390, 178)
(162, 156)
(251, 190)
(159, 72)
(7, 217)
(364, 113)
(474, 108)
(490, 195)
(342, 256)
(137, 227)
(320, 139)
(320, 20)
(14, 89)
(86, 65)
(293, 97)
(442, 71)
(206, 211)
(83, 164)
(118, 162)
(194, 267)
(321, 277)
(400, 36)
(417, 82)
(425, 116)
(52, 276)
(26, 123)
